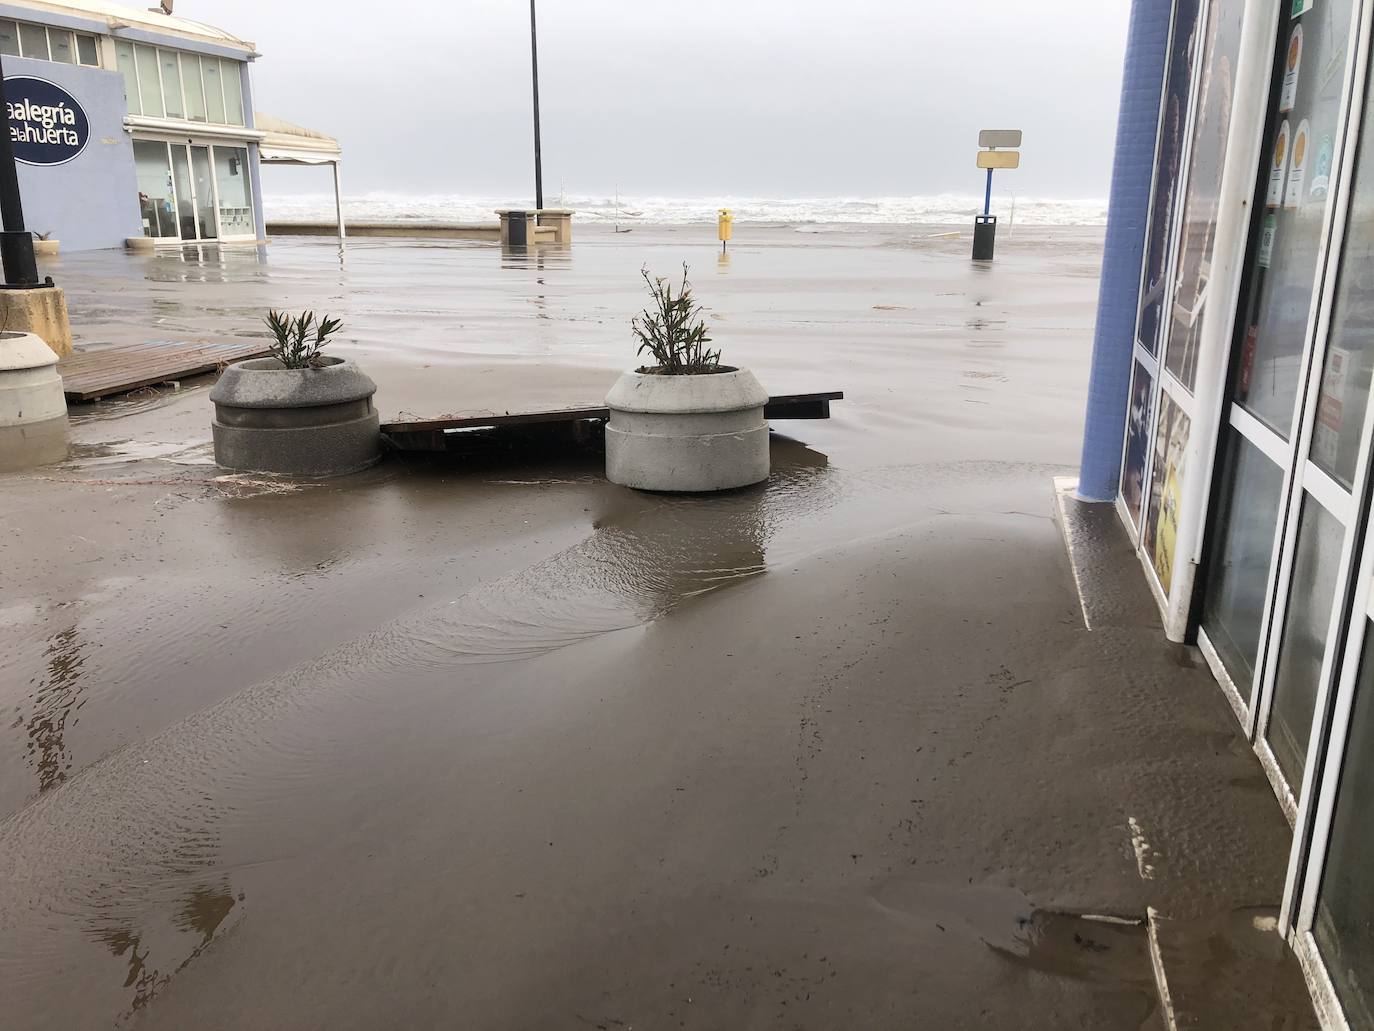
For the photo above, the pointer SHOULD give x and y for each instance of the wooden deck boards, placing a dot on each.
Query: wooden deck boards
(428, 434)
(101, 371)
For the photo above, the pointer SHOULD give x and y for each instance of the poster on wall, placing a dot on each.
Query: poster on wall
(1160, 536)
(1278, 167)
(1137, 436)
(1297, 173)
(1168, 191)
(1202, 192)
(1291, 66)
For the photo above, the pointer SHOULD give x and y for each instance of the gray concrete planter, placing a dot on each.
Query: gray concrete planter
(687, 433)
(30, 388)
(301, 422)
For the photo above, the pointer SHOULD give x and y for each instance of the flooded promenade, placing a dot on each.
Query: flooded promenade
(501, 745)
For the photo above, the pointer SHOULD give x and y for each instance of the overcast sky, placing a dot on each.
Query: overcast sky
(774, 98)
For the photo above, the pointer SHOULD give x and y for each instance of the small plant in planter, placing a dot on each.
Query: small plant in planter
(298, 412)
(685, 423)
(299, 338)
(673, 331)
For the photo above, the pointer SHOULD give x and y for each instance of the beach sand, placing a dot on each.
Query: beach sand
(505, 746)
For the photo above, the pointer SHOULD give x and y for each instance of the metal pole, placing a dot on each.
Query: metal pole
(16, 245)
(987, 197)
(338, 201)
(538, 165)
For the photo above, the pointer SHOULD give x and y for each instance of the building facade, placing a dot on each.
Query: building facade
(1245, 425)
(130, 123)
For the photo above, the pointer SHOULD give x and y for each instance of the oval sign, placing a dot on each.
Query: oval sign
(47, 125)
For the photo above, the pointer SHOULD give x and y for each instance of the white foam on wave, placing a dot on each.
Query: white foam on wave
(941, 209)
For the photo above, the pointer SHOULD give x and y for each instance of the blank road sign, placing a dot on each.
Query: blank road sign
(999, 159)
(999, 138)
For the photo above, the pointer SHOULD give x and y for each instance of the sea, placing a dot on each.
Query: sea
(803, 213)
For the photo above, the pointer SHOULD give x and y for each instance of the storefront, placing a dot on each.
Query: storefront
(1245, 469)
(131, 123)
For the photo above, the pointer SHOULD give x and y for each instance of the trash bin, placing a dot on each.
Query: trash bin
(518, 226)
(984, 236)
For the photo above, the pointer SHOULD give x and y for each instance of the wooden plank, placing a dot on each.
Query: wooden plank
(102, 371)
(782, 406)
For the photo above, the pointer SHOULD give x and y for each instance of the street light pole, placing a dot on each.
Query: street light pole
(16, 244)
(538, 166)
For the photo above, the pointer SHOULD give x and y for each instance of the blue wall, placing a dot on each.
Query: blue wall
(1119, 294)
(92, 200)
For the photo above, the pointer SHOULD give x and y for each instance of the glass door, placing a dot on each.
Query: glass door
(203, 178)
(186, 198)
(1282, 525)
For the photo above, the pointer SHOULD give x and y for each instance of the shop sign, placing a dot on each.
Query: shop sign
(47, 125)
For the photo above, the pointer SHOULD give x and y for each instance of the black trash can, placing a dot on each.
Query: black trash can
(984, 236)
(519, 226)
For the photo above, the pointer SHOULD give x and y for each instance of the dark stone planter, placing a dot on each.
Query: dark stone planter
(300, 422)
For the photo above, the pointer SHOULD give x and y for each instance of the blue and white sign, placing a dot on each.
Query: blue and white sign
(47, 125)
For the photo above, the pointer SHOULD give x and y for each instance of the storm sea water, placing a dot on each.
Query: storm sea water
(801, 212)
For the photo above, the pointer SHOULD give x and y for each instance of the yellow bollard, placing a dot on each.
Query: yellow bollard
(725, 225)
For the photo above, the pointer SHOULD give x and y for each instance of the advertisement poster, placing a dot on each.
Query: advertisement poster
(1137, 430)
(1297, 175)
(1291, 66)
(1166, 489)
(1278, 167)
(1301, 7)
(1266, 247)
(1326, 434)
(1202, 191)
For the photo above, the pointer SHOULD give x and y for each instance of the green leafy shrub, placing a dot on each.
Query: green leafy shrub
(673, 331)
(298, 338)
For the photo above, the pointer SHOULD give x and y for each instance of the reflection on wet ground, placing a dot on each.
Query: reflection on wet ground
(572, 753)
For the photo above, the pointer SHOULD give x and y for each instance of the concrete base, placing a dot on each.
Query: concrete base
(687, 434)
(40, 310)
(558, 219)
(46, 248)
(140, 244)
(30, 388)
(298, 422)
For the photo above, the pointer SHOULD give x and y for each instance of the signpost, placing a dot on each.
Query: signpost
(999, 151)
(16, 243)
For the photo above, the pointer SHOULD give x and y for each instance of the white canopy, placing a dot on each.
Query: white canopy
(286, 144)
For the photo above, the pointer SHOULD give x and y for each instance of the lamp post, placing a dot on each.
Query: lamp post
(534, 65)
(16, 244)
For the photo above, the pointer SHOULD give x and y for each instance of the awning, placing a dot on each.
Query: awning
(286, 144)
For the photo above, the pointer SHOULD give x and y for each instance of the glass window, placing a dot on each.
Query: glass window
(1137, 437)
(214, 95)
(1344, 921)
(1295, 184)
(155, 199)
(124, 57)
(1202, 194)
(1166, 488)
(149, 90)
(33, 41)
(171, 83)
(233, 91)
(1311, 593)
(1168, 158)
(86, 50)
(60, 45)
(9, 39)
(1238, 571)
(195, 92)
(1349, 362)
(235, 204)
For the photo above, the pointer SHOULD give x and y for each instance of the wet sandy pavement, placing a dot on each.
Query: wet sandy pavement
(504, 746)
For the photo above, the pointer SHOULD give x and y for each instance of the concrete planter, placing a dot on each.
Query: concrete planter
(687, 433)
(30, 388)
(301, 422)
